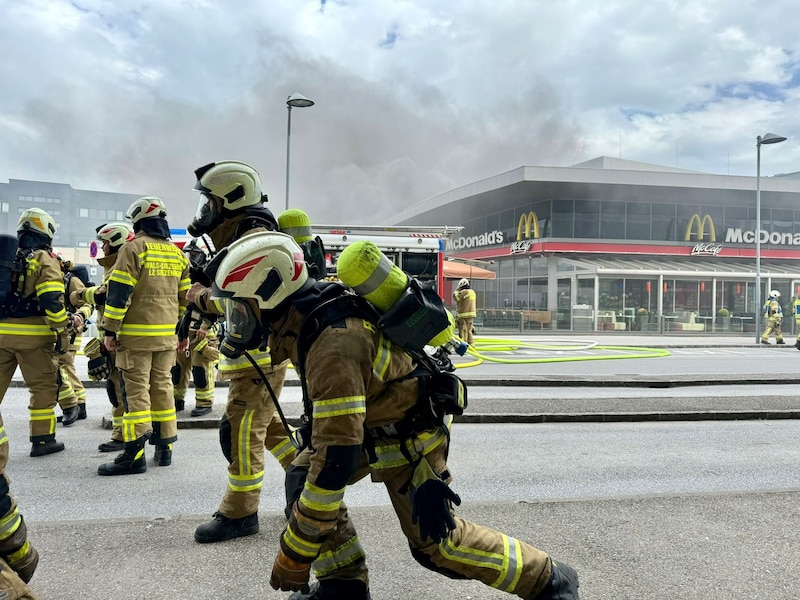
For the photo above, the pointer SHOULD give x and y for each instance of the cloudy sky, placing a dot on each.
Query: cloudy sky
(412, 97)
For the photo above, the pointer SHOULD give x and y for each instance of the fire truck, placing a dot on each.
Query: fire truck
(417, 250)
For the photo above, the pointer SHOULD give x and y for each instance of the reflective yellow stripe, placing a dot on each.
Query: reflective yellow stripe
(245, 483)
(508, 564)
(319, 499)
(282, 450)
(382, 358)
(335, 407)
(3, 436)
(340, 557)
(9, 524)
(300, 546)
(143, 329)
(114, 313)
(160, 416)
(262, 359)
(243, 435)
(123, 277)
(184, 285)
(50, 286)
(21, 553)
(7, 328)
(390, 456)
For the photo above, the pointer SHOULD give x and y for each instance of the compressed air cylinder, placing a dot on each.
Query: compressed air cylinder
(295, 222)
(363, 267)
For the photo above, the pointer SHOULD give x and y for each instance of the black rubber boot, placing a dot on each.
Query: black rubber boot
(797, 344)
(335, 589)
(112, 446)
(179, 405)
(131, 462)
(70, 416)
(81, 412)
(563, 583)
(780, 342)
(199, 411)
(221, 528)
(50, 446)
(163, 455)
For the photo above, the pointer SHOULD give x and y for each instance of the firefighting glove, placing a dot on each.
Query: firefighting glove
(431, 500)
(62, 341)
(98, 368)
(289, 574)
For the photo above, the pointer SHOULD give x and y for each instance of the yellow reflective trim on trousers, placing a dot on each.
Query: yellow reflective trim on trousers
(390, 456)
(116, 421)
(21, 553)
(320, 499)
(466, 315)
(3, 436)
(282, 450)
(300, 546)
(7, 328)
(245, 430)
(140, 416)
(10, 523)
(382, 359)
(508, 565)
(338, 558)
(335, 407)
(203, 394)
(42, 414)
(145, 330)
(123, 277)
(245, 483)
(49, 286)
(160, 416)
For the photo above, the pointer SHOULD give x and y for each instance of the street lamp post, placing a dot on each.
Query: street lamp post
(769, 138)
(294, 101)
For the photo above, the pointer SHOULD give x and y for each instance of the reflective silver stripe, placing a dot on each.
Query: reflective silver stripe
(296, 232)
(338, 558)
(376, 279)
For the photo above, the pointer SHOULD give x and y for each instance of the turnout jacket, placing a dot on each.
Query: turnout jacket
(147, 293)
(96, 295)
(465, 303)
(357, 381)
(43, 281)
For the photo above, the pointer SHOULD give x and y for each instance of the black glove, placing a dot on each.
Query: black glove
(431, 500)
(98, 368)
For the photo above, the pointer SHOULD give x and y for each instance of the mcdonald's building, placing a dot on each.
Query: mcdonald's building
(618, 245)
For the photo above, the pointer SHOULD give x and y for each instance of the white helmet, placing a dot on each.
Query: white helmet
(115, 234)
(267, 267)
(144, 208)
(35, 219)
(774, 294)
(463, 283)
(226, 186)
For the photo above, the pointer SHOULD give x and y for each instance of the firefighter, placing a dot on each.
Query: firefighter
(231, 206)
(362, 395)
(35, 319)
(774, 315)
(146, 297)
(72, 394)
(796, 311)
(201, 357)
(102, 364)
(464, 297)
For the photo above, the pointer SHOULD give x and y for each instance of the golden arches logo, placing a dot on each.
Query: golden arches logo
(527, 223)
(701, 228)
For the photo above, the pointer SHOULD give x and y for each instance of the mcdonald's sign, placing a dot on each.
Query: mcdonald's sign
(702, 224)
(526, 223)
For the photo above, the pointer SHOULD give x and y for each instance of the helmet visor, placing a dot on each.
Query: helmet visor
(207, 213)
(243, 329)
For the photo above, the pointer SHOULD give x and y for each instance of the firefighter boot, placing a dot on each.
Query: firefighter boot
(112, 446)
(335, 589)
(81, 412)
(70, 416)
(222, 528)
(130, 462)
(180, 405)
(563, 584)
(163, 455)
(199, 411)
(46, 447)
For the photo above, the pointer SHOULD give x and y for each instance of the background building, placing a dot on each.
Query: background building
(622, 245)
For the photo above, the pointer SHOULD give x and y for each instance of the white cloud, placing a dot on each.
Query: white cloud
(412, 96)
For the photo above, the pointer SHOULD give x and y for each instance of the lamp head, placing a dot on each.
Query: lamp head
(298, 101)
(770, 138)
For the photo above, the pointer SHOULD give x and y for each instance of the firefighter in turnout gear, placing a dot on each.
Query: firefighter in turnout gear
(366, 410)
(464, 297)
(201, 357)
(146, 297)
(71, 394)
(34, 325)
(102, 364)
(774, 315)
(231, 206)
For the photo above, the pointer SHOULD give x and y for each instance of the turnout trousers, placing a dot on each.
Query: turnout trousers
(71, 391)
(254, 426)
(149, 405)
(116, 396)
(471, 552)
(202, 373)
(35, 357)
(465, 328)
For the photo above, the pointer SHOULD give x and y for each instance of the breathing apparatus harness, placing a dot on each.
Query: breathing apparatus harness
(13, 274)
